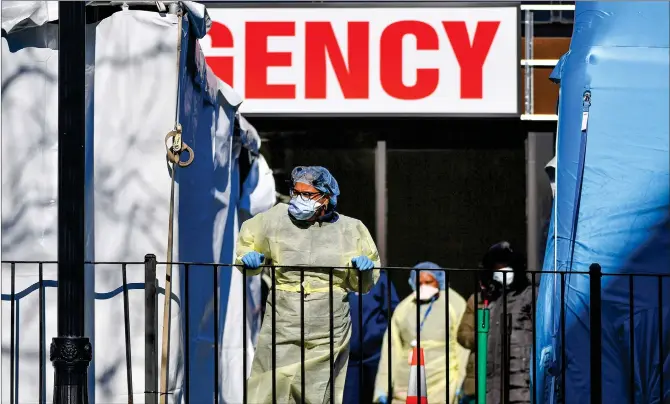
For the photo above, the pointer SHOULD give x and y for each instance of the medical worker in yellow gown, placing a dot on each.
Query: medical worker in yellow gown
(307, 233)
(435, 301)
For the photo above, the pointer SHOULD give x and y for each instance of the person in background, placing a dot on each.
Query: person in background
(307, 233)
(466, 338)
(435, 301)
(550, 169)
(504, 282)
(364, 357)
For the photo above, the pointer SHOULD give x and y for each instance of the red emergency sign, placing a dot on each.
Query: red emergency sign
(369, 59)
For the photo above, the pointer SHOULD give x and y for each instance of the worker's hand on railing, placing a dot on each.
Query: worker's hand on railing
(363, 263)
(382, 400)
(253, 260)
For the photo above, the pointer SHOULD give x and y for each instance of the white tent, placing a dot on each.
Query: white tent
(134, 86)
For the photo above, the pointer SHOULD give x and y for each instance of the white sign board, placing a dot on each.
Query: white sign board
(368, 60)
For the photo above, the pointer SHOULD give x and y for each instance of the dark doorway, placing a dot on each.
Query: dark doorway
(454, 186)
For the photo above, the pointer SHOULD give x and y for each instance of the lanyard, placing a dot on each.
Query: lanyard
(430, 307)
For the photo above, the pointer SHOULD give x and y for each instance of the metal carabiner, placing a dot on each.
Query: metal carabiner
(178, 146)
(587, 98)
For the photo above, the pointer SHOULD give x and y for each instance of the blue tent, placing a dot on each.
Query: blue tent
(612, 207)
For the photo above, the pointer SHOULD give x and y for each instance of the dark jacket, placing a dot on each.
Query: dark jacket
(374, 314)
(466, 337)
(364, 358)
(519, 306)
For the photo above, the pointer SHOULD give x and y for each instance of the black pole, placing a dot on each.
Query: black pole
(71, 352)
(595, 275)
(151, 331)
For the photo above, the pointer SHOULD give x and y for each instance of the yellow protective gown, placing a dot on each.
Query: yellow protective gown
(288, 243)
(434, 344)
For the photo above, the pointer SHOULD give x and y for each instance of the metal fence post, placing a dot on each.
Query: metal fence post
(71, 352)
(595, 276)
(150, 331)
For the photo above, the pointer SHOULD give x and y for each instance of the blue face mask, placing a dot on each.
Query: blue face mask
(302, 209)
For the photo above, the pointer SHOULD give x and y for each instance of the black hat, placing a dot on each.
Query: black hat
(499, 253)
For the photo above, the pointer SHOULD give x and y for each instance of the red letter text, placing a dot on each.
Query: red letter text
(471, 58)
(320, 41)
(258, 59)
(222, 66)
(391, 60)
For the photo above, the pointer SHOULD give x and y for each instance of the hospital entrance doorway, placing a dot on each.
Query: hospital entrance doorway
(429, 189)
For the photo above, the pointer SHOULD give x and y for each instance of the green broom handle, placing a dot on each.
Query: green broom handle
(483, 319)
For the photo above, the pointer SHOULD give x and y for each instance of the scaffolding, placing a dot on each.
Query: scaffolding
(530, 63)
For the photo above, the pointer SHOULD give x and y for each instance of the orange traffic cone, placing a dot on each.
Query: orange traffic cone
(412, 396)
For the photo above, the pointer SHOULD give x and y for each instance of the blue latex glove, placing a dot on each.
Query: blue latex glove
(382, 400)
(363, 263)
(253, 260)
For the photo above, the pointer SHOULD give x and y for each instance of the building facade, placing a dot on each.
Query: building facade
(437, 120)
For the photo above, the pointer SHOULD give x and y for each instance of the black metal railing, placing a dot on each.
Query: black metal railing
(152, 342)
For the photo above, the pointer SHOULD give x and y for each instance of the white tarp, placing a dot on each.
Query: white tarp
(135, 95)
(26, 13)
(258, 195)
(131, 103)
(29, 201)
(23, 14)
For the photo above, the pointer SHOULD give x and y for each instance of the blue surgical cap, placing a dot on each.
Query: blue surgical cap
(434, 269)
(320, 178)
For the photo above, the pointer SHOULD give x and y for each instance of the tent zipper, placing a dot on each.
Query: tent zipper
(583, 137)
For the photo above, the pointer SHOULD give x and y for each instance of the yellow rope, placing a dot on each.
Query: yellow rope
(174, 156)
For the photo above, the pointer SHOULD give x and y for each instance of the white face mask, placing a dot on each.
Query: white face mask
(504, 276)
(427, 292)
(303, 209)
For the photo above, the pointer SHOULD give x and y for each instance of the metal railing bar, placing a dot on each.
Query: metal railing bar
(327, 268)
(504, 374)
(244, 336)
(361, 380)
(417, 283)
(12, 387)
(21, 262)
(389, 346)
(306, 268)
(447, 322)
(302, 337)
(533, 317)
(331, 298)
(150, 331)
(311, 267)
(216, 333)
(508, 357)
(187, 337)
(564, 364)
(642, 275)
(274, 336)
(595, 326)
(42, 307)
(661, 354)
(126, 329)
(151, 293)
(631, 313)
